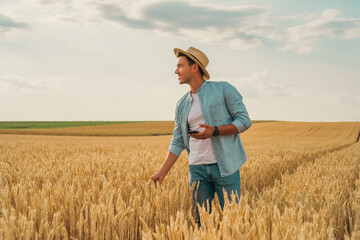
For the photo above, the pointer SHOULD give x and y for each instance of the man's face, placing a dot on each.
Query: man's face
(183, 70)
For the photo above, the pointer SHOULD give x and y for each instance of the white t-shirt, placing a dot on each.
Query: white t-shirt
(201, 150)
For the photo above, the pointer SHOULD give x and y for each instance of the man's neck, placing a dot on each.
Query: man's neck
(195, 85)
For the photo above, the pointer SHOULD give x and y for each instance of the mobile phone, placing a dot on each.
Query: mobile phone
(191, 132)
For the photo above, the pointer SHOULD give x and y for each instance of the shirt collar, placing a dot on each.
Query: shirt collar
(201, 87)
(197, 91)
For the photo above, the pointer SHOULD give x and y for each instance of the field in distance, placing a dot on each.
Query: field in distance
(89, 128)
(55, 124)
(152, 128)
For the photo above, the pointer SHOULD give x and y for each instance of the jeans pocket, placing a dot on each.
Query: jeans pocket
(196, 173)
(231, 179)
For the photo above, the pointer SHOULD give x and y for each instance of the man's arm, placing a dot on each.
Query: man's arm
(208, 131)
(176, 147)
(236, 108)
(165, 168)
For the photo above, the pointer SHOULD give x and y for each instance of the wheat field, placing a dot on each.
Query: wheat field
(301, 181)
(152, 128)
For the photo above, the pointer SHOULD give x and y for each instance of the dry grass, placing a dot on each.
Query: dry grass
(123, 129)
(152, 128)
(301, 181)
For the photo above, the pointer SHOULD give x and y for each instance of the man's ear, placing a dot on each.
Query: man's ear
(195, 67)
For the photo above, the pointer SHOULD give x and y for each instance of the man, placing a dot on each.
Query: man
(208, 121)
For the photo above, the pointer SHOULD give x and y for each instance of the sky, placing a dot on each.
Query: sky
(92, 60)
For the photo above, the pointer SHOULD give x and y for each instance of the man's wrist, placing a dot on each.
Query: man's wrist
(216, 131)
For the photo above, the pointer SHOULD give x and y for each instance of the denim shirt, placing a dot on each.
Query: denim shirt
(221, 104)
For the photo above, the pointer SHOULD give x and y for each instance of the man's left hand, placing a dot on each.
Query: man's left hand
(206, 133)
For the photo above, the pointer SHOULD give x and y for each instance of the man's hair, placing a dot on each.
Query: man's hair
(191, 62)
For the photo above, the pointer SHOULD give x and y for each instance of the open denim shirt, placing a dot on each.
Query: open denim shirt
(221, 104)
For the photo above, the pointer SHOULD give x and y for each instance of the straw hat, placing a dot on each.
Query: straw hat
(198, 57)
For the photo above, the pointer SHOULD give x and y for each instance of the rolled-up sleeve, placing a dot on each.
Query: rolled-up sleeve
(177, 142)
(236, 108)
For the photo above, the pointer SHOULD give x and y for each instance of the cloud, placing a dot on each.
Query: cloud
(295, 16)
(20, 83)
(260, 85)
(240, 26)
(51, 1)
(117, 14)
(347, 98)
(7, 24)
(302, 38)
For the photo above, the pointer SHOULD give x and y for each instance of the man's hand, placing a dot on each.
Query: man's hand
(165, 168)
(156, 178)
(206, 133)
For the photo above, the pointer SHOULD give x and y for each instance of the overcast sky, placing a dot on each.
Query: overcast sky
(113, 60)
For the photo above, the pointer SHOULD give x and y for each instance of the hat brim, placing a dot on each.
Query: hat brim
(206, 75)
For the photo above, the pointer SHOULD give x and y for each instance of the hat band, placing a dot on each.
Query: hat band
(196, 59)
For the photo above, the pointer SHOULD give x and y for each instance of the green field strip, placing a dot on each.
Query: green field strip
(56, 124)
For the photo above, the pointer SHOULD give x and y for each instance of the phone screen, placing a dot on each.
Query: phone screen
(191, 132)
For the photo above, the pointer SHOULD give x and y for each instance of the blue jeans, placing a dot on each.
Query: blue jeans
(207, 181)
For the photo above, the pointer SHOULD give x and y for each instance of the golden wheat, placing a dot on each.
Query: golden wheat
(124, 129)
(301, 181)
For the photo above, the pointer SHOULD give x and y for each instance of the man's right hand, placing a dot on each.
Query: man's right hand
(156, 178)
(165, 168)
